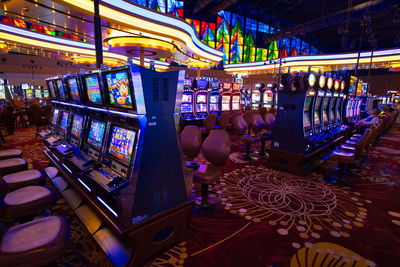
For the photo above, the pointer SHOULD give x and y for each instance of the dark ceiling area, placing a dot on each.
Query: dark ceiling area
(331, 25)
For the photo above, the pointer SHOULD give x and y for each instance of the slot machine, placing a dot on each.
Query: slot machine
(318, 107)
(326, 105)
(3, 89)
(115, 169)
(310, 82)
(256, 95)
(214, 98)
(268, 96)
(235, 97)
(187, 110)
(339, 104)
(201, 102)
(73, 89)
(226, 97)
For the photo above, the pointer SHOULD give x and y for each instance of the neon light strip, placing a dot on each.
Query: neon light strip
(87, 187)
(185, 33)
(25, 37)
(68, 169)
(108, 207)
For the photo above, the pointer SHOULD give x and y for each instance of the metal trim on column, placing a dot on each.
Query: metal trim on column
(97, 35)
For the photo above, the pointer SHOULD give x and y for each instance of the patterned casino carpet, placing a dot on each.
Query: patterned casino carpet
(270, 218)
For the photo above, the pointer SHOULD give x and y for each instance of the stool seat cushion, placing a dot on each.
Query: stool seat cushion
(28, 201)
(10, 153)
(206, 174)
(24, 178)
(342, 156)
(351, 142)
(354, 139)
(34, 243)
(357, 135)
(12, 165)
(346, 147)
(248, 139)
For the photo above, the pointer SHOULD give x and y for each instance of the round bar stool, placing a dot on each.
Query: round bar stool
(10, 153)
(18, 180)
(344, 159)
(8, 166)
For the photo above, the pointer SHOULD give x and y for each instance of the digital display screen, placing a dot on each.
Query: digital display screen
(306, 120)
(316, 112)
(122, 143)
(54, 119)
(93, 89)
(96, 133)
(2, 92)
(61, 89)
(187, 108)
(236, 86)
(201, 107)
(29, 93)
(38, 93)
(268, 97)
(201, 98)
(73, 89)
(119, 89)
(187, 82)
(235, 102)
(202, 83)
(325, 111)
(64, 120)
(227, 86)
(187, 98)
(255, 97)
(214, 99)
(50, 85)
(215, 84)
(77, 124)
(307, 103)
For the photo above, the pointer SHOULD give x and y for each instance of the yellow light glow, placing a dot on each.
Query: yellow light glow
(92, 60)
(146, 26)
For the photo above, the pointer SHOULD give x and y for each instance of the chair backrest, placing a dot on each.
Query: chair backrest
(191, 141)
(269, 119)
(258, 123)
(34, 114)
(210, 121)
(248, 116)
(224, 120)
(240, 126)
(216, 147)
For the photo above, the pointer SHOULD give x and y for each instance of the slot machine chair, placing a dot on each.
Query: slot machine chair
(36, 243)
(343, 159)
(191, 144)
(216, 149)
(240, 127)
(12, 165)
(209, 123)
(224, 121)
(36, 118)
(10, 153)
(21, 179)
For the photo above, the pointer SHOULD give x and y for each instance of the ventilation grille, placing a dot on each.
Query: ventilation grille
(165, 88)
(156, 89)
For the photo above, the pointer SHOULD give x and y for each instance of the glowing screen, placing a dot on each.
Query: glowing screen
(61, 90)
(93, 89)
(214, 99)
(255, 97)
(50, 85)
(235, 102)
(2, 92)
(201, 98)
(73, 89)
(64, 120)
(76, 128)
(121, 144)
(186, 98)
(56, 113)
(96, 133)
(119, 89)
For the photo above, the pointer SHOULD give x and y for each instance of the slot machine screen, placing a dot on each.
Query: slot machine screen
(96, 133)
(93, 89)
(215, 84)
(235, 102)
(227, 86)
(236, 86)
(306, 118)
(202, 83)
(38, 93)
(325, 110)
(119, 89)
(77, 124)
(64, 120)
(337, 107)
(268, 97)
(122, 143)
(316, 115)
(187, 98)
(73, 89)
(332, 109)
(354, 108)
(61, 89)
(201, 99)
(214, 99)
(2, 92)
(255, 97)
(187, 82)
(29, 93)
(50, 86)
(225, 102)
(56, 113)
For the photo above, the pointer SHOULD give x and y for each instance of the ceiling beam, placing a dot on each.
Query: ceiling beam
(222, 5)
(199, 5)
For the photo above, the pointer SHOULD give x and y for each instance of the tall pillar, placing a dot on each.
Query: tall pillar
(97, 35)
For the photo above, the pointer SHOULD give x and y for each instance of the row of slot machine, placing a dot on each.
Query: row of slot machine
(262, 95)
(201, 97)
(104, 137)
(312, 112)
